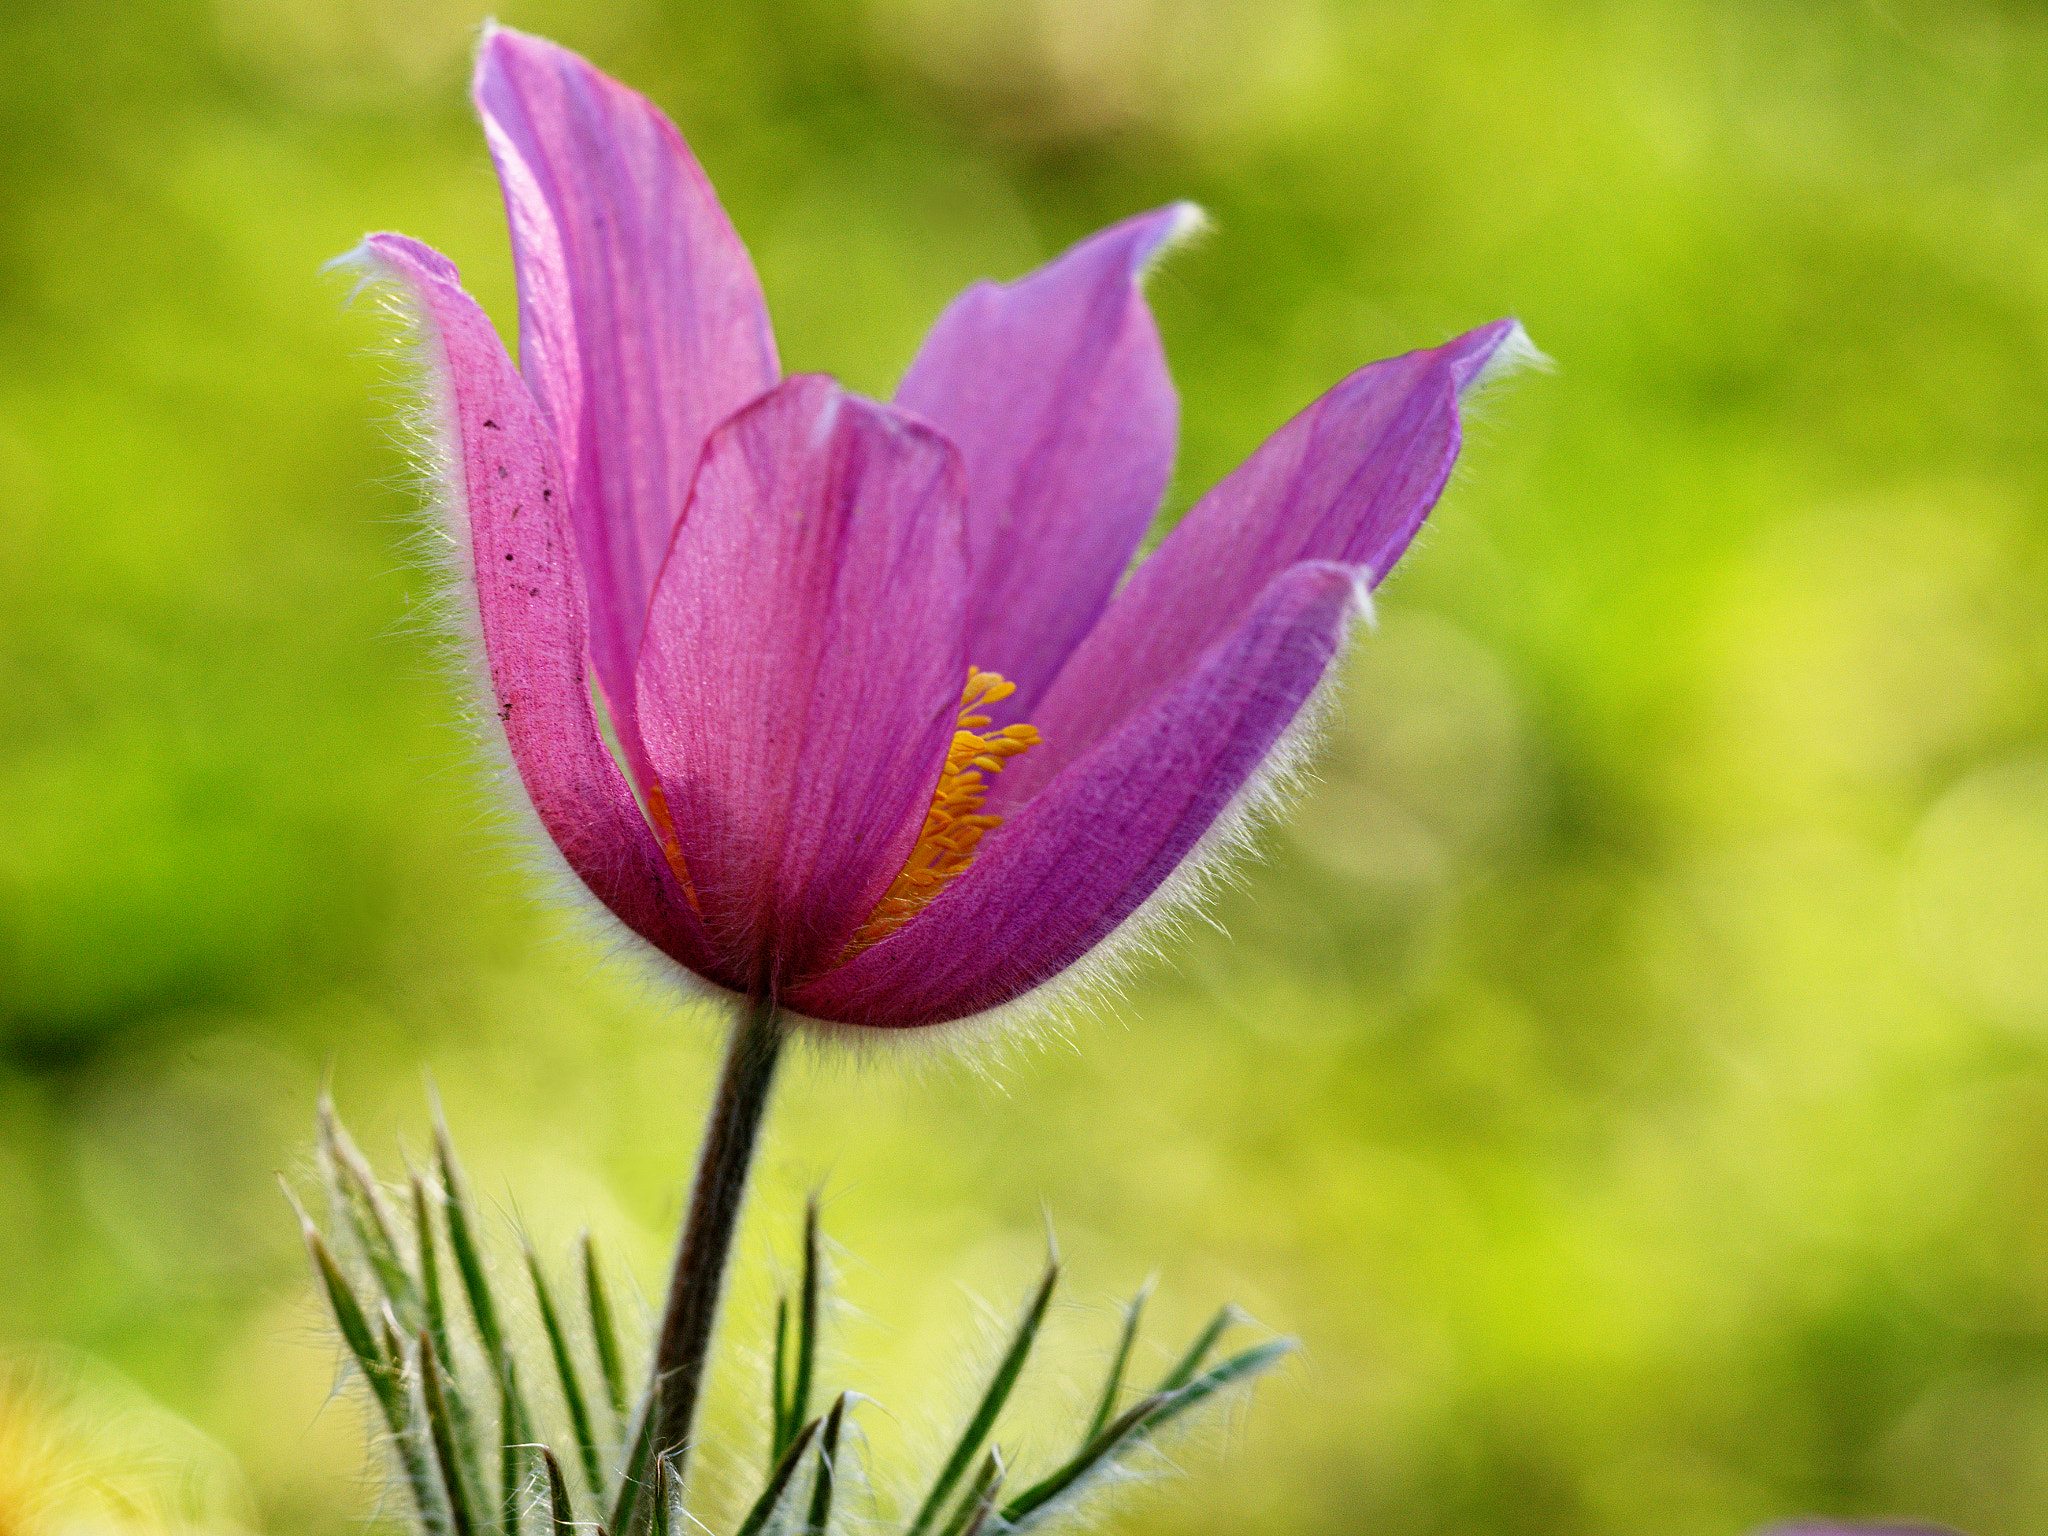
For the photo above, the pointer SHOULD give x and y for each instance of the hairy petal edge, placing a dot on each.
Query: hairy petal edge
(504, 473)
(1087, 852)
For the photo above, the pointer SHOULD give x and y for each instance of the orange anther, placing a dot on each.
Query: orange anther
(953, 825)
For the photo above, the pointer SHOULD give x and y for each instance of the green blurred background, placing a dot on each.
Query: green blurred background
(1628, 1073)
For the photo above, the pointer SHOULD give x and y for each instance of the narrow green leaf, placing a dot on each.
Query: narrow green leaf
(828, 1455)
(1198, 1351)
(806, 1320)
(434, 1314)
(412, 1455)
(1115, 1380)
(602, 1331)
(513, 1418)
(1112, 1439)
(664, 1497)
(778, 1482)
(562, 1514)
(461, 1422)
(781, 1429)
(1137, 1423)
(979, 1498)
(669, 1497)
(1237, 1368)
(516, 1428)
(572, 1389)
(633, 1475)
(355, 1184)
(379, 1370)
(991, 1403)
(462, 1240)
(983, 1508)
(443, 1438)
(791, 1393)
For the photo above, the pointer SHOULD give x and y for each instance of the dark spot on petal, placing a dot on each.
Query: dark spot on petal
(508, 554)
(492, 425)
(533, 591)
(503, 472)
(547, 493)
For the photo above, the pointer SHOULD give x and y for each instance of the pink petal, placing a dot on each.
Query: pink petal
(803, 667)
(641, 325)
(1082, 857)
(530, 599)
(1350, 479)
(1056, 392)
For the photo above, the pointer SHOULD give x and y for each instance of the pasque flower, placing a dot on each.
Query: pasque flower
(894, 740)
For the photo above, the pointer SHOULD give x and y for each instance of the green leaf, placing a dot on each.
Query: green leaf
(443, 1438)
(668, 1497)
(517, 1430)
(781, 1428)
(633, 1475)
(513, 1418)
(462, 1240)
(603, 1333)
(354, 1185)
(806, 1319)
(562, 1514)
(411, 1454)
(434, 1314)
(778, 1482)
(991, 1403)
(979, 1498)
(572, 1390)
(1238, 1367)
(379, 1369)
(789, 1409)
(1040, 1495)
(1117, 1365)
(664, 1498)
(461, 1422)
(381, 1365)
(828, 1454)
(1198, 1351)
(1134, 1425)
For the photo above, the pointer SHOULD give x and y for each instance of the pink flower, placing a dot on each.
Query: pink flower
(782, 588)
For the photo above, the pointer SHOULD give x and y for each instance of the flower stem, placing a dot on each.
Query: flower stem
(706, 1240)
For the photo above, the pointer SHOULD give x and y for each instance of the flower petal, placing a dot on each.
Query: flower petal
(803, 666)
(1349, 479)
(506, 478)
(1086, 854)
(1056, 392)
(641, 324)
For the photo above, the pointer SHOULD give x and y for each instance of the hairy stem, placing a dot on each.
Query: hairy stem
(706, 1241)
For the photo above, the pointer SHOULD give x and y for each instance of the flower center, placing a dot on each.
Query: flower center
(952, 827)
(954, 824)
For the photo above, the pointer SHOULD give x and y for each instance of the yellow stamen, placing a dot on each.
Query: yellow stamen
(671, 849)
(954, 824)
